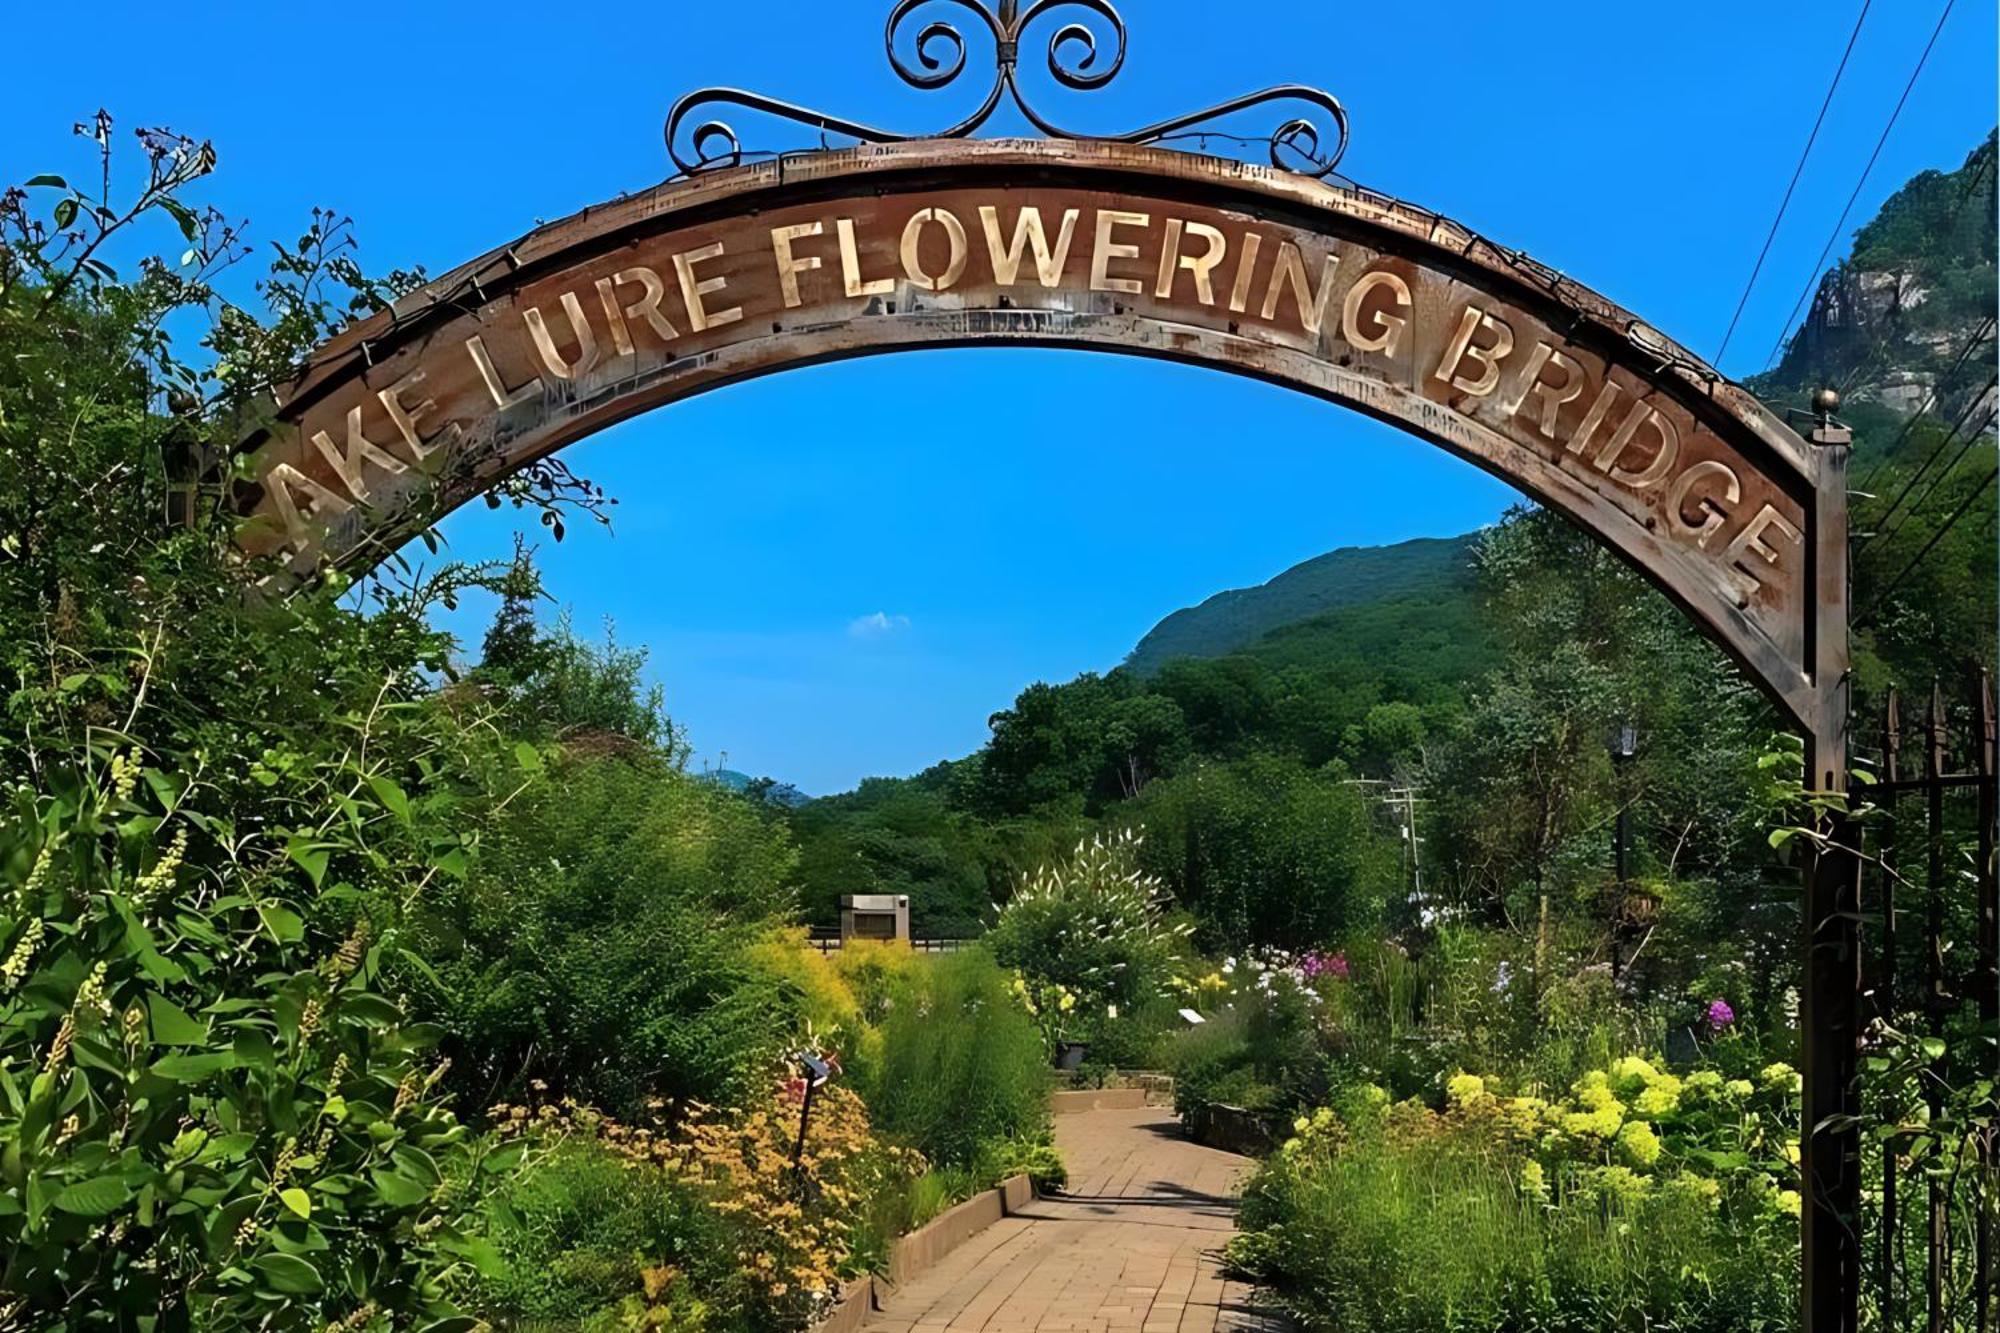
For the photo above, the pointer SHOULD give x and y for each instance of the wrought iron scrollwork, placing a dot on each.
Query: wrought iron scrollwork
(1084, 54)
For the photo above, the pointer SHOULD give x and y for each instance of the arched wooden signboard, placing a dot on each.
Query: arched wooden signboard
(740, 271)
(1346, 296)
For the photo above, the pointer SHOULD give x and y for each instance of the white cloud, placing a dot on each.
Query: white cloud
(877, 626)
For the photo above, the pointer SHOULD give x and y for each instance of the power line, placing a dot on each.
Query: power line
(1797, 172)
(1814, 278)
(1944, 447)
(1971, 442)
(1897, 582)
(1979, 335)
(1878, 343)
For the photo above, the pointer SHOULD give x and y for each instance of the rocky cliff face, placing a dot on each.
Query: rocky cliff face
(1889, 324)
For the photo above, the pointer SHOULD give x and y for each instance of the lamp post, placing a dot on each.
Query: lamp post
(814, 1071)
(1624, 746)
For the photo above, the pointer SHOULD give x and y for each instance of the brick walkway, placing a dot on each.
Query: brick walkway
(1130, 1248)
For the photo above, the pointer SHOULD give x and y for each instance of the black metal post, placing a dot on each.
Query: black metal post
(1885, 999)
(1987, 877)
(1936, 997)
(1830, 1230)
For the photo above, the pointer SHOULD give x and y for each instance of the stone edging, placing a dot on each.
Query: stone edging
(1098, 1099)
(925, 1247)
(1233, 1129)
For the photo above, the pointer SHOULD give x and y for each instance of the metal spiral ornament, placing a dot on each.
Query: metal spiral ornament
(1084, 54)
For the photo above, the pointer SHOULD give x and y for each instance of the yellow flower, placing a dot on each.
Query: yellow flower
(1638, 1144)
(1661, 1097)
(1465, 1090)
(1779, 1077)
(1631, 1074)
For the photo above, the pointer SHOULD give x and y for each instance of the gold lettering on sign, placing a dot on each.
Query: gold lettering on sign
(348, 466)
(1713, 515)
(1554, 397)
(503, 397)
(1290, 271)
(1750, 543)
(586, 341)
(647, 307)
(407, 417)
(913, 234)
(850, 265)
(1387, 334)
(614, 319)
(1451, 369)
(789, 264)
(286, 482)
(1246, 273)
(1607, 398)
(693, 290)
(1107, 250)
(1215, 247)
(1028, 231)
(1655, 472)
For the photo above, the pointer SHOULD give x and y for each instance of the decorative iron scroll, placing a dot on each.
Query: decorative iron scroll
(1076, 60)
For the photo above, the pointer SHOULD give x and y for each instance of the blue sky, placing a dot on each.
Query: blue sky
(844, 571)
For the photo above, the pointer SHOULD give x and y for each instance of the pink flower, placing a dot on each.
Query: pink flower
(1316, 965)
(1720, 1015)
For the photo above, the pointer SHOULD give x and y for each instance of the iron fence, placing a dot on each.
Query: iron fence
(1930, 972)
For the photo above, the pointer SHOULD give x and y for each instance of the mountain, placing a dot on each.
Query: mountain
(1425, 572)
(1891, 325)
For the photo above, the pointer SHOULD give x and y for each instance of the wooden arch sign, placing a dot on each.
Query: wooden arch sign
(741, 272)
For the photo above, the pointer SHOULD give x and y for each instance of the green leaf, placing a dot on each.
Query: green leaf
(65, 213)
(529, 759)
(297, 1200)
(310, 857)
(181, 214)
(399, 1191)
(367, 1010)
(173, 1025)
(193, 1068)
(285, 925)
(95, 1198)
(55, 182)
(226, 1148)
(391, 796)
(288, 1274)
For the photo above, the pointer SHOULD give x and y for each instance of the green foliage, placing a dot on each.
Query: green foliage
(1095, 925)
(1439, 1236)
(600, 945)
(220, 802)
(962, 1065)
(578, 1230)
(1265, 852)
(559, 685)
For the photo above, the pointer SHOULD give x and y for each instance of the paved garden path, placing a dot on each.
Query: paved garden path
(1132, 1247)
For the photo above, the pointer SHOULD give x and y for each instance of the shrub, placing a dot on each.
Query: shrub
(722, 1220)
(1399, 1220)
(603, 943)
(583, 1230)
(1094, 925)
(961, 1064)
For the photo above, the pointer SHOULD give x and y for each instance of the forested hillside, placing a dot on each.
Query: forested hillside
(1417, 571)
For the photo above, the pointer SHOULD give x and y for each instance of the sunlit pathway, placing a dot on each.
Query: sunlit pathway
(1133, 1247)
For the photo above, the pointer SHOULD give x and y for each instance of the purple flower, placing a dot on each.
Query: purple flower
(1316, 965)
(1720, 1015)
